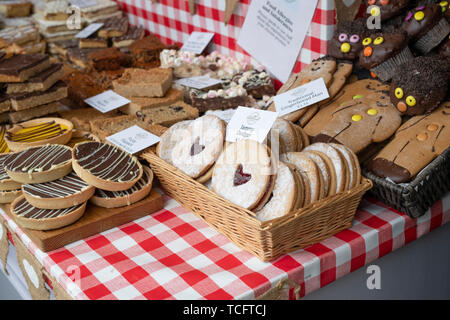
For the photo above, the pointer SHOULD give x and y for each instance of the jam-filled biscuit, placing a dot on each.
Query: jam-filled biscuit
(416, 143)
(244, 174)
(170, 138)
(197, 151)
(39, 164)
(284, 195)
(346, 42)
(114, 199)
(65, 192)
(386, 9)
(426, 27)
(420, 85)
(105, 166)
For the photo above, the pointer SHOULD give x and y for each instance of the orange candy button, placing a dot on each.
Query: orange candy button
(432, 127)
(368, 51)
(422, 136)
(373, 74)
(401, 106)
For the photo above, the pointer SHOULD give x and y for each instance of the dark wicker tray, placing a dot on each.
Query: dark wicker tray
(419, 195)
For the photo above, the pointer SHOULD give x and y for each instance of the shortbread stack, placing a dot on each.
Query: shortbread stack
(32, 87)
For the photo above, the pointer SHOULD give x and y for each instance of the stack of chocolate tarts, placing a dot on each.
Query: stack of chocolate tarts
(55, 182)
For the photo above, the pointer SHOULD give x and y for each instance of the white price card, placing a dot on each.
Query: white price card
(199, 82)
(83, 3)
(197, 42)
(133, 139)
(301, 97)
(89, 30)
(273, 33)
(107, 101)
(249, 123)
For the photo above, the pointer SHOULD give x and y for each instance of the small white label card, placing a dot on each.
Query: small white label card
(301, 97)
(273, 33)
(89, 30)
(199, 82)
(197, 42)
(107, 101)
(249, 123)
(133, 139)
(83, 3)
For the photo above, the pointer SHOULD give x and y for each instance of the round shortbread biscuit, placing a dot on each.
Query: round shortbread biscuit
(299, 137)
(283, 195)
(170, 138)
(338, 163)
(309, 168)
(287, 135)
(243, 173)
(353, 164)
(300, 196)
(323, 168)
(197, 151)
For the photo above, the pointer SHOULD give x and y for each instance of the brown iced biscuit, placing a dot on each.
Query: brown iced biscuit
(20, 68)
(143, 83)
(23, 101)
(309, 169)
(105, 166)
(142, 103)
(65, 192)
(321, 68)
(40, 82)
(114, 199)
(34, 218)
(39, 164)
(36, 112)
(416, 143)
(244, 175)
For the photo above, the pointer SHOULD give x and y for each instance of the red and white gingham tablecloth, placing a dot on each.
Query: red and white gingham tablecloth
(172, 254)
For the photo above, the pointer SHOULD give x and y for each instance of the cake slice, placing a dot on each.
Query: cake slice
(36, 112)
(81, 117)
(168, 115)
(20, 68)
(23, 101)
(39, 82)
(139, 103)
(143, 83)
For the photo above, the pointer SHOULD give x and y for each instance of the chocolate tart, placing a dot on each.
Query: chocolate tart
(38, 132)
(9, 196)
(114, 199)
(39, 164)
(105, 166)
(34, 218)
(6, 183)
(65, 192)
(79, 136)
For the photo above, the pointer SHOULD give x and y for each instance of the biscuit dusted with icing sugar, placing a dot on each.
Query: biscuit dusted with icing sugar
(416, 143)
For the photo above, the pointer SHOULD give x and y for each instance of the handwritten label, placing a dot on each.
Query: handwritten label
(249, 123)
(133, 139)
(200, 82)
(301, 97)
(197, 42)
(107, 101)
(89, 30)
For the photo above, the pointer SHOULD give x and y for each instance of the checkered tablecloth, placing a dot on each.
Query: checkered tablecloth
(172, 254)
(172, 22)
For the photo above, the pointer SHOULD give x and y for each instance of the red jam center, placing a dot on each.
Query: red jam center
(196, 148)
(240, 177)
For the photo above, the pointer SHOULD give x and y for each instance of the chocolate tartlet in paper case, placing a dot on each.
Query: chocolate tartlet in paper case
(383, 52)
(386, 8)
(346, 42)
(426, 27)
(420, 85)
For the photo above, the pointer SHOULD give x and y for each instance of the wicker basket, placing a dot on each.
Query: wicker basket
(416, 197)
(266, 240)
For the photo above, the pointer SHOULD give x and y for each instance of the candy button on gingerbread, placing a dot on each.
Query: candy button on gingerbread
(356, 117)
(372, 112)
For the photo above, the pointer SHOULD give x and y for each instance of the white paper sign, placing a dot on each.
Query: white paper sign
(90, 29)
(83, 3)
(107, 101)
(200, 82)
(273, 33)
(133, 139)
(197, 42)
(225, 115)
(301, 97)
(249, 123)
